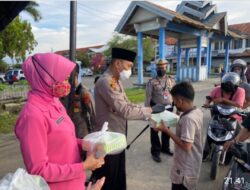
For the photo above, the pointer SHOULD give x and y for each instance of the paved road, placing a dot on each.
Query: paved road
(142, 171)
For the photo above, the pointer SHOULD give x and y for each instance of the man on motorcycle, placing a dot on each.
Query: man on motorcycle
(243, 135)
(239, 66)
(228, 93)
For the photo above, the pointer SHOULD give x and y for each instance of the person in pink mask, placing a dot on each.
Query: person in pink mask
(46, 133)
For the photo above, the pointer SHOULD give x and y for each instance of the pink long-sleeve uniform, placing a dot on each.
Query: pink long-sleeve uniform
(46, 133)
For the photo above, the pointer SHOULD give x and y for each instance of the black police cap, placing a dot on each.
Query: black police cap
(120, 53)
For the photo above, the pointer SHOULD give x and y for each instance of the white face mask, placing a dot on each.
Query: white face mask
(125, 74)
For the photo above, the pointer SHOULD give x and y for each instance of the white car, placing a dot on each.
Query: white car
(14, 75)
(86, 72)
(2, 80)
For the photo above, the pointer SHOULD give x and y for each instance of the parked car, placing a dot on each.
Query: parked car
(86, 72)
(2, 80)
(14, 75)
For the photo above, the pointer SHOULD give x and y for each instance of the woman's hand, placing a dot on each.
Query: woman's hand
(98, 185)
(86, 146)
(92, 163)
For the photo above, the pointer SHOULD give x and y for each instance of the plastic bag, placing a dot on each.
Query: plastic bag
(170, 118)
(104, 142)
(21, 180)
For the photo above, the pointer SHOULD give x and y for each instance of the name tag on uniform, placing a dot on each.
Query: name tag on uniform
(59, 120)
(165, 95)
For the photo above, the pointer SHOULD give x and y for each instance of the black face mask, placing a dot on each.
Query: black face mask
(228, 87)
(161, 72)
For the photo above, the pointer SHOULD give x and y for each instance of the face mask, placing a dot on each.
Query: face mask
(228, 87)
(61, 89)
(125, 74)
(178, 108)
(161, 72)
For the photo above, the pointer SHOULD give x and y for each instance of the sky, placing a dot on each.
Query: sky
(97, 19)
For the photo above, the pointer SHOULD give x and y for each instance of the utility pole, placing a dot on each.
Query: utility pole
(72, 49)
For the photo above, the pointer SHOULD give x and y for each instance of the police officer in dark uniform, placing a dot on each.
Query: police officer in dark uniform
(82, 112)
(158, 92)
(113, 106)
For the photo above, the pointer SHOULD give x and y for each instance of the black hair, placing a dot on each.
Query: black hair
(184, 90)
(96, 79)
(248, 63)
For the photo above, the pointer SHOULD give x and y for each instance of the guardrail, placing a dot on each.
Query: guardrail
(14, 92)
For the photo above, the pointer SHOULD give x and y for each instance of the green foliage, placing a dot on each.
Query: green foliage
(83, 57)
(1, 49)
(17, 38)
(22, 82)
(2, 87)
(32, 10)
(17, 66)
(3, 66)
(130, 43)
(135, 95)
(7, 122)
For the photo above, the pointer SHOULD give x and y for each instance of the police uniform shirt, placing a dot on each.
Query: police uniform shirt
(113, 106)
(158, 91)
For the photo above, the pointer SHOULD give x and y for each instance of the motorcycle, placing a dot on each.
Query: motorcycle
(238, 176)
(221, 128)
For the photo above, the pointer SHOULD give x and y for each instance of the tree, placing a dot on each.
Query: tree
(3, 66)
(98, 61)
(17, 38)
(32, 10)
(83, 57)
(130, 43)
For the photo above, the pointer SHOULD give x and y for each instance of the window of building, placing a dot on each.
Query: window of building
(237, 44)
(216, 46)
(222, 45)
(248, 42)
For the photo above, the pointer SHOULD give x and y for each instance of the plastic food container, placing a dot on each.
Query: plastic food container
(170, 118)
(106, 143)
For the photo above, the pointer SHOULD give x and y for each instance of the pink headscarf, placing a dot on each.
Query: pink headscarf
(41, 68)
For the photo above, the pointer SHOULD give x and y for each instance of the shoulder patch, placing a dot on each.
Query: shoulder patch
(113, 83)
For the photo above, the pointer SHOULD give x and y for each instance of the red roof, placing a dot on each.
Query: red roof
(242, 28)
(82, 50)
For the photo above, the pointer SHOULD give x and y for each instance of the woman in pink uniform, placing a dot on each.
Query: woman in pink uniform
(46, 133)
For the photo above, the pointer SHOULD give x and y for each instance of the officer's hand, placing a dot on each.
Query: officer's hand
(92, 163)
(228, 144)
(98, 185)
